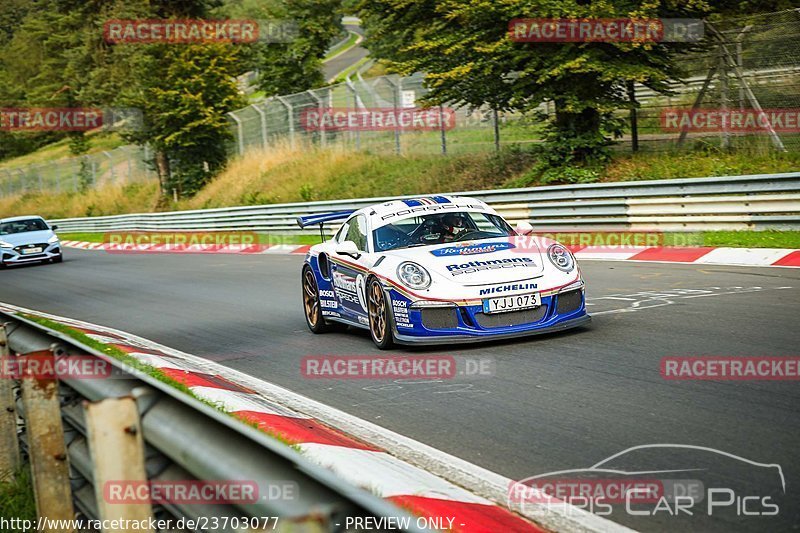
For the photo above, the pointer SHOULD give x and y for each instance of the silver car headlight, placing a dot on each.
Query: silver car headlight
(561, 257)
(4, 244)
(53, 239)
(413, 275)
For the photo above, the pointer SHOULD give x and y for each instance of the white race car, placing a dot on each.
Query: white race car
(439, 270)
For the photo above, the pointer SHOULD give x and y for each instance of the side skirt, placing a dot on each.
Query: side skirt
(347, 322)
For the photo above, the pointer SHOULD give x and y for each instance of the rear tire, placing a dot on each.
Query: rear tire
(380, 316)
(311, 308)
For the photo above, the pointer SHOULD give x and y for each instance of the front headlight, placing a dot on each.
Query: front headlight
(560, 257)
(4, 244)
(413, 275)
(53, 239)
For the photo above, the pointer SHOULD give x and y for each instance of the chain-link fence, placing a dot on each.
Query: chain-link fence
(283, 119)
(125, 164)
(751, 64)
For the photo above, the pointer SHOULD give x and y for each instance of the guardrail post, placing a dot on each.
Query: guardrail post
(263, 117)
(46, 448)
(396, 91)
(112, 174)
(442, 129)
(289, 117)
(725, 137)
(9, 178)
(9, 446)
(496, 123)
(116, 446)
(321, 107)
(239, 132)
(352, 89)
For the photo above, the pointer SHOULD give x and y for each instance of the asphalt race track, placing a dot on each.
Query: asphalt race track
(556, 402)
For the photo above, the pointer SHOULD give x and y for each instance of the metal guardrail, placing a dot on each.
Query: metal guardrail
(768, 201)
(184, 439)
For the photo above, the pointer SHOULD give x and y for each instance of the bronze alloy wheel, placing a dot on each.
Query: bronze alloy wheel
(379, 324)
(311, 302)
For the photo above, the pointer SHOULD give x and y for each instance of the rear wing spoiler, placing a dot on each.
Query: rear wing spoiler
(313, 220)
(321, 219)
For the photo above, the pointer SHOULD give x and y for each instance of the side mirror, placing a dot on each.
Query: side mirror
(53, 228)
(524, 228)
(348, 248)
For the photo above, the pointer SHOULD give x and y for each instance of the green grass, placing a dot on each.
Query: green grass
(734, 239)
(16, 496)
(753, 239)
(111, 351)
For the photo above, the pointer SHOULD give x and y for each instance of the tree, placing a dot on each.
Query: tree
(185, 93)
(295, 66)
(464, 47)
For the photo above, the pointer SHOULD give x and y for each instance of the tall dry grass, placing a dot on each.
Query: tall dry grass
(307, 173)
(106, 200)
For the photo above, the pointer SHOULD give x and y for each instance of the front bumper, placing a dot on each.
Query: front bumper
(467, 323)
(14, 256)
(465, 338)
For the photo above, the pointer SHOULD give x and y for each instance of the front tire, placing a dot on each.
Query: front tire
(380, 318)
(312, 311)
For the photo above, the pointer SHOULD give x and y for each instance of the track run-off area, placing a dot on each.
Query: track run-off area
(555, 402)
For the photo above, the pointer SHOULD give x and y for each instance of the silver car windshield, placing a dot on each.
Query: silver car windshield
(440, 228)
(23, 226)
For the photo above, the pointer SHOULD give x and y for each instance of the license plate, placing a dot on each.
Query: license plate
(27, 251)
(505, 304)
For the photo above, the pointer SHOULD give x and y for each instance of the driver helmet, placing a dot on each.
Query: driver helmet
(454, 223)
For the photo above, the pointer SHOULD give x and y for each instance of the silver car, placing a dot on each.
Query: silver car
(28, 240)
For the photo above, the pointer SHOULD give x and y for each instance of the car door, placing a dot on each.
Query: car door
(349, 273)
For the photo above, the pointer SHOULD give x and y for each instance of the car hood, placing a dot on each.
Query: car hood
(28, 237)
(482, 262)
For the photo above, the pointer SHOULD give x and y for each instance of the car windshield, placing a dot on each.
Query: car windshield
(22, 226)
(440, 228)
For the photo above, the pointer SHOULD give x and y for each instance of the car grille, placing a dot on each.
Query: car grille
(439, 317)
(512, 318)
(22, 247)
(568, 302)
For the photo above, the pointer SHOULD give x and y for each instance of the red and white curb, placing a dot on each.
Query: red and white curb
(417, 477)
(776, 257)
(783, 257)
(162, 248)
